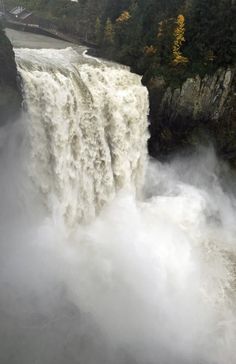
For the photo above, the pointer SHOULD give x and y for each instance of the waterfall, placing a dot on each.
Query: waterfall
(107, 257)
(88, 129)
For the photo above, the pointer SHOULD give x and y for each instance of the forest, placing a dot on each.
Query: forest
(174, 38)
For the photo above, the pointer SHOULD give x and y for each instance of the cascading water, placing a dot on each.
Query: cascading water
(148, 280)
(88, 129)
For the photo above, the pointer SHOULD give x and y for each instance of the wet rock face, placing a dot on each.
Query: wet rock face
(10, 95)
(201, 109)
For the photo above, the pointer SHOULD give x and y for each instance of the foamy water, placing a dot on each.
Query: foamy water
(150, 277)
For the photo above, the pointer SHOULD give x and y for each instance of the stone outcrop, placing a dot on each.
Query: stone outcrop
(199, 110)
(10, 95)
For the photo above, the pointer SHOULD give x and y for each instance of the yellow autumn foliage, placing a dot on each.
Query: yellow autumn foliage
(124, 17)
(179, 39)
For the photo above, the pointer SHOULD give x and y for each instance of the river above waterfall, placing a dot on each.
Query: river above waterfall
(21, 39)
(107, 257)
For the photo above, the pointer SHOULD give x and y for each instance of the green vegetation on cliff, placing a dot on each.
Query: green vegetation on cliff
(174, 38)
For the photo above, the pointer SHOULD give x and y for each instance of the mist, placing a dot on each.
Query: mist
(149, 280)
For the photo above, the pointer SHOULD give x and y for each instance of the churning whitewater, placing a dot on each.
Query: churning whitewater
(107, 257)
(87, 126)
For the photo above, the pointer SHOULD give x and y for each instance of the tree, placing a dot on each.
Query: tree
(124, 17)
(179, 39)
(211, 32)
(108, 33)
(164, 36)
(98, 30)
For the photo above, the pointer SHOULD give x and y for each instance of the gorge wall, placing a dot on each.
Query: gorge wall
(10, 95)
(198, 111)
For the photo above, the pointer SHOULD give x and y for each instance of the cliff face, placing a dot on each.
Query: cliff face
(200, 110)
(10, 96)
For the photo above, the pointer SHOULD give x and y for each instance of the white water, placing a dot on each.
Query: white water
(87, 127)
(149, 280)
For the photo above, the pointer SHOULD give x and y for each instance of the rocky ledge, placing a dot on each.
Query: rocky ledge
(198, 111)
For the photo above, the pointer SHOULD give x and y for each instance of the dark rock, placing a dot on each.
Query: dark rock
(10, 95)
(199, 111)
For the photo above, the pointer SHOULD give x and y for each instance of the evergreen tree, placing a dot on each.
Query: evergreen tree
(108, 33)
(211, 32)
(98, 30)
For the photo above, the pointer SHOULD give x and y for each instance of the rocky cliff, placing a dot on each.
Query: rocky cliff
(198, 111)
(10, 96)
